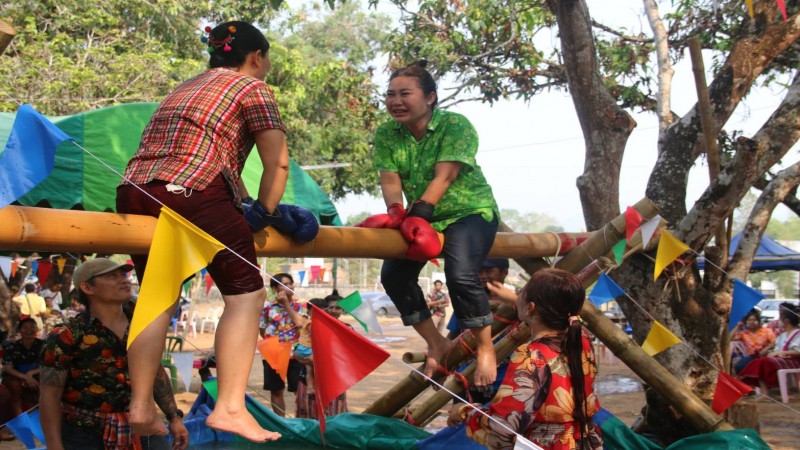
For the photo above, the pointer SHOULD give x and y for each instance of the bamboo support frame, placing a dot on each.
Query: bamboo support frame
(651, 372)
(42, 229)
(7, 33)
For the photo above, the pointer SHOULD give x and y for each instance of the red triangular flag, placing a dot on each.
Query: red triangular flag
(44, 270)
(632, 221)
(209, 283)
(14, 266)
(782, 7)
(728, 390)
(343, 355)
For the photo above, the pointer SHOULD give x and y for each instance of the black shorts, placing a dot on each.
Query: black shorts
(273, 382)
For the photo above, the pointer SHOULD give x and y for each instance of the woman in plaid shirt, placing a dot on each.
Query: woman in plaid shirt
(190, 159)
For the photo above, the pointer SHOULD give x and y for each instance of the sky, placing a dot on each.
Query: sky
(532, 154)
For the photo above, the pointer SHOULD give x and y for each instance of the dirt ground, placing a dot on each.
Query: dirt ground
(618, 388)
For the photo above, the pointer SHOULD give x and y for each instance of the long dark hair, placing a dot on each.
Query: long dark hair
(559, 295)
(417, 70)
(239, 38)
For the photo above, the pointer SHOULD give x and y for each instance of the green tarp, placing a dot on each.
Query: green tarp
(112, 134)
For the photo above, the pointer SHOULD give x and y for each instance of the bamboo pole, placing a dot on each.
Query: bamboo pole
(7, 33)
(395, 400)
(43, 229)
(413, 357)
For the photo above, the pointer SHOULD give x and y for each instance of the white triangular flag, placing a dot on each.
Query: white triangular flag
(5, 266)
(648, 229)
(524, 444)
(184, 363)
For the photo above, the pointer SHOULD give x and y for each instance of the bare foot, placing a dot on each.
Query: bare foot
(240, 422)
(486, 367)
(144, 420)
(436, 355)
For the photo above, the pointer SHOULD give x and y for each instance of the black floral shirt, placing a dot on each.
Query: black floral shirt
(21, 358)
(96, 362)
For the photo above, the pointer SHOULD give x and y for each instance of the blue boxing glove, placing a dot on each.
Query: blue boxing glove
(257, 216)
(300, 223)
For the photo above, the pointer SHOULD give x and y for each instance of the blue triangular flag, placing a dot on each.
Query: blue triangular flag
(605, 290)
(36, 426)
(29, 155)
(302, 274)
(21, 427)
(5, 266)
(744, 299)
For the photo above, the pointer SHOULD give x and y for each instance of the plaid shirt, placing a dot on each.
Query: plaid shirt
(202, 128)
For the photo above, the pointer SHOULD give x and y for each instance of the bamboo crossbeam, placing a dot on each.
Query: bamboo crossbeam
(413, 357)
(42, 229)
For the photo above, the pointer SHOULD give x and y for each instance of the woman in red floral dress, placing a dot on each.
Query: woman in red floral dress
(547, 394)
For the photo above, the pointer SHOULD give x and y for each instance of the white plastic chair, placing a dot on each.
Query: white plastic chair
(184, 323)
(783, 382)
(212, 317)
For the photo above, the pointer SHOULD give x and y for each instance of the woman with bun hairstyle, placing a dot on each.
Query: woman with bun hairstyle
(428, 156)
(190, 159)
(547, 394)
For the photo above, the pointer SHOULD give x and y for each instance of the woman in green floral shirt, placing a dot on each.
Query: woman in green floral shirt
(428, 155)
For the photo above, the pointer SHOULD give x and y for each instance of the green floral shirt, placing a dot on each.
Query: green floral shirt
(96, 362)
(450, 137)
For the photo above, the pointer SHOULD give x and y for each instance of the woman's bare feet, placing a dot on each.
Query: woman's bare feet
(486, 367)
(240, 422)
(145, 421)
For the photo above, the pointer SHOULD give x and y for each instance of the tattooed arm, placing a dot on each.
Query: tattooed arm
(165, 399)
(51, 386)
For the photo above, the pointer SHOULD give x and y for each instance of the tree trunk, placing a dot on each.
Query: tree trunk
(606, 127)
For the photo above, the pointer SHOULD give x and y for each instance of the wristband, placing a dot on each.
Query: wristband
(421, 209)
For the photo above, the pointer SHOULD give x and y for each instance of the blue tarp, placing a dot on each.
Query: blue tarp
(769, 256)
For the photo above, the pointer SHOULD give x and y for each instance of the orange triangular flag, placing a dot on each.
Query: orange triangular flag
(728, 390)
(276, 354)
(659, 339)
(750, 8)
(669, 248)
(14, 267)
(61, 263)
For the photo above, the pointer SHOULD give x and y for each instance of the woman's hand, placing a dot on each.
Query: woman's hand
(30, 382)
(456, 415)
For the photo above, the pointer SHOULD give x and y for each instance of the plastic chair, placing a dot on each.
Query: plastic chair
(783, 382)
(212, 317)
(185, 324)
(173, 344)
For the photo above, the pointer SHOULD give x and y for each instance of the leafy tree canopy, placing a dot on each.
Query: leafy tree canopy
(71, 56)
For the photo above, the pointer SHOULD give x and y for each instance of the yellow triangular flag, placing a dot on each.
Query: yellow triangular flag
(669, 248)
(179, 250)
(750, 8)
(659, 339)
(61, 263)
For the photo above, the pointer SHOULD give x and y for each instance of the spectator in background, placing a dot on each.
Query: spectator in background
(438, 301)
(783, 354)
(757, 340)
(21, 367)
(32, 305)
(282, 317)
(9, 314)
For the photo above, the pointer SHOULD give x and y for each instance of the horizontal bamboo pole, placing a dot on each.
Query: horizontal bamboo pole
(413, 357)
(42, 229)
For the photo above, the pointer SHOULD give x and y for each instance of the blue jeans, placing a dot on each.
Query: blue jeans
(466, 244)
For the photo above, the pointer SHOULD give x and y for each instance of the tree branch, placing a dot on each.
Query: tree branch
(665, 70)
(790, 201)
(622, 36)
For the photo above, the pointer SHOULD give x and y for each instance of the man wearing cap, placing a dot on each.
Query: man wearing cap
(84, 384)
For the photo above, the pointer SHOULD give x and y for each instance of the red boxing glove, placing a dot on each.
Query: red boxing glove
(423, 240)
(394, 217)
